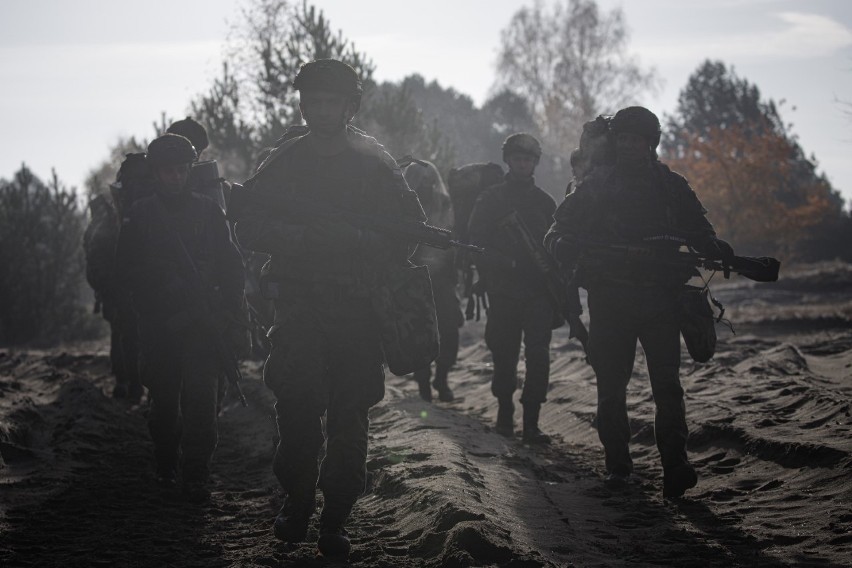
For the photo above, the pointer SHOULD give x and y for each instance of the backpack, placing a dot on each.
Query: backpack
(99, 241)
(464, 184)
(596, 148)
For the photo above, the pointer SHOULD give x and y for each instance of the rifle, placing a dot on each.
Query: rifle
(759, 269)
(413, 231)
(205, 180)
(564, 297)
(227, 360)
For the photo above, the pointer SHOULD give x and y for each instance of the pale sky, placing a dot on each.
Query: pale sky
(78, 74)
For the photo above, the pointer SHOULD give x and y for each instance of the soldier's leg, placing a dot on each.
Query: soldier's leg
(422, 377)
(538, 319)
(356, 382)
(160, 369)
(503, 338)
(343, 472)
(117, 361)
(295, 371)
(612, 351)
(200, 372)
(130, 355)
(660, 338)
(450, 318)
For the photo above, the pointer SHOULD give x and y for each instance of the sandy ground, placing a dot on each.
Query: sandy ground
(771, 437)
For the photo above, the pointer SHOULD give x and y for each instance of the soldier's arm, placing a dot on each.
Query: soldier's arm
(480, 228)
(229, 263)
(260, 229)
(568, 225)
(386, 247)
(692, 212)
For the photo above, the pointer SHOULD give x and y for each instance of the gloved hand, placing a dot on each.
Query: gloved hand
(331, 236)
(565, 251)
(715, 248)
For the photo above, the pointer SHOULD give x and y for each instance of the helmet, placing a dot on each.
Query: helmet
(171, 149)
(192, 130)
(328, 75)
(637, 120)
(522, 143)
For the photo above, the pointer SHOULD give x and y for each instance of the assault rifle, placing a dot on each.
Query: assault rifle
(413, 231)
(204, 179)
(759, 269)
(564, 297)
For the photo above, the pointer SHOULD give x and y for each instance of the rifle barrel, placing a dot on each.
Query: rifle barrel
(467, 246)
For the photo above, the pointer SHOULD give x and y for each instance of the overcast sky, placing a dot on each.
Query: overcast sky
(76, 75)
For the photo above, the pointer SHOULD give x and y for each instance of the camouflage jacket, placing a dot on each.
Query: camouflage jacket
(152, 266)
(427, 183)
(363, 179)
(505, 266)
(610, 207)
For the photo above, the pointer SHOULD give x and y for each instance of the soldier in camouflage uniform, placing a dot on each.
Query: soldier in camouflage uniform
(519, 304)
(326, 355)
(99, 242)
(426, 181)
(185, 278)
(637, 200)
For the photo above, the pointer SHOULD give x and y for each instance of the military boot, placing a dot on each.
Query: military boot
(440, 384)
(677, 479)
(532, 435)
(333, 542)
(506, 417)
(291, 522)
(422, 377)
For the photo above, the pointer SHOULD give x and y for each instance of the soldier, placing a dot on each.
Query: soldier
(185, 278)
(326, 352)
(519, 304)
(636, 200)
(193, 131)
(99, 243)
(426, 181)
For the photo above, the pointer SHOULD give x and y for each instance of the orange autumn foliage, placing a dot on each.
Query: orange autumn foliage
(754, 188)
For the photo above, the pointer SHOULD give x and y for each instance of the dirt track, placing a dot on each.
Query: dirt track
(771, 438)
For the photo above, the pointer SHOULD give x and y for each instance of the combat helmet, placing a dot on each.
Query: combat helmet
(637, 120)
(193, 130)
(329, 75)
(170, 149)
(522, 143)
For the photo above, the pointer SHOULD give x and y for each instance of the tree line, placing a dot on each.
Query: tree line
(559, 65)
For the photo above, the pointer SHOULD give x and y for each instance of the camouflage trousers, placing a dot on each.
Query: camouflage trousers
(510, 321)
(326, 358)
(183, 385)
(450, 318)
(124, 343)
(619, 317)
